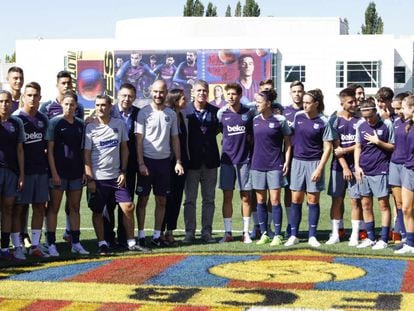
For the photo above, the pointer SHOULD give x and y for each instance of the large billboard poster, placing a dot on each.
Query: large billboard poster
(105, 71)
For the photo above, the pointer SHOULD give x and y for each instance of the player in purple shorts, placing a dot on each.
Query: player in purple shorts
(15, 78)
(35, 190)
(407, 189)
(312, 146)
(106, 160)
(269, 163)
(342, 167)
(374, 145)
(396, 168)
(236, 122)
(11, 177)
(65, 139)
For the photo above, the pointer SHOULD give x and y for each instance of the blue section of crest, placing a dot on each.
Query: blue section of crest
(55, 274)
(382, 275)
(193, 271)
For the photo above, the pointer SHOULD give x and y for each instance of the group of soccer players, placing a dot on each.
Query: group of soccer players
(45, 151)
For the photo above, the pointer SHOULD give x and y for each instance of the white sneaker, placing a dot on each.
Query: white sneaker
(52, 251)
(19, 253)
(406, 249)
(353, 241)
(366, 243)
(246, 238)
(292, 241)
(333, 240)
(380, 245)
(78, 249)
(313, 242)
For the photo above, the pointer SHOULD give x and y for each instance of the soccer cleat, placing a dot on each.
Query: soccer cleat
(104, 250)
(158, 242)
(292, 241)
(169, 240)
(277, 240)
(255, 234)
(380, 245)
(406, 249)
(363, 235)
(6, 255)
(67, 237)
(226, 238)
(353, 241)
(142, 242)
(207, 238)
(52, 251)
(137, 248)
(19, 253)
(333, 240)
(313, 242)
(78, 249)
(366, 243)
(246, 238)
(264, 239)
(36, 251)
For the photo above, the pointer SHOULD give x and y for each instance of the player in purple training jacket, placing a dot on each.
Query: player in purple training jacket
(342, 167)
(65, 155)
(11, 177)
(269, 165)
(407, 189)
(35, 190)
(374, 145)
(236, 122)
(312, 146)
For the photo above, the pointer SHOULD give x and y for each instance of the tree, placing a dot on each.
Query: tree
(346, 23)
(228, 11)
(373, 22)
(238, 10)
(251, 8)
(10, 58)
(211, 10)
(193, 8)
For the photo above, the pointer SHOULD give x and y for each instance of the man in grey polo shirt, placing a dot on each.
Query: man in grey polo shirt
(156, 131)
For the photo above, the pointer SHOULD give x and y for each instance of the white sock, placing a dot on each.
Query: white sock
(36, 233)
(15, 237)
(227, 224)
(141, 234)
(335, 227)
(157, 234)
(100, 243)
(67, 223)
(255, 219)
(131, 242)
(355, 228)
(246, 222)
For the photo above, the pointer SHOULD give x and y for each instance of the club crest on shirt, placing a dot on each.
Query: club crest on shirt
(380, 132)
(354, 126)
(316, 126)
(271, 125)
(40, 124)
(245, 117)
(167, 119)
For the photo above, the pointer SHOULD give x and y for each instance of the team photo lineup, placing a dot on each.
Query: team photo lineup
(158, 132)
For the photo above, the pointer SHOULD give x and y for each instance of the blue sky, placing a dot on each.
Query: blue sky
(96, 19)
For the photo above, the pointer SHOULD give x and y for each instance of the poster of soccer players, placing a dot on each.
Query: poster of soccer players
(92, 73)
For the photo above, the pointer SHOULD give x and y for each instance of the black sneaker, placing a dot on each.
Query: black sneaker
(157, 242)
(104, 250)
(138, 248)
(399, 246)
(142, 242)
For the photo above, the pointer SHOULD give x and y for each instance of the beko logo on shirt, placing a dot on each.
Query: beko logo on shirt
(236, 129)
(33, 136)
(347, 137)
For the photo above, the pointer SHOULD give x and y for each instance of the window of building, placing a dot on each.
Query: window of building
(295, 73)
(399, 74)
(366, 74)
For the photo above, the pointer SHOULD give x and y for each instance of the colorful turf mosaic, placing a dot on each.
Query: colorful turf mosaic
(297, 279)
